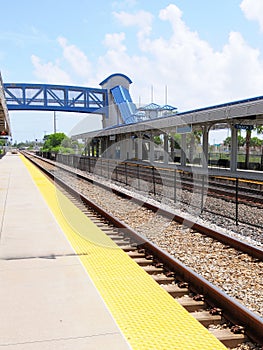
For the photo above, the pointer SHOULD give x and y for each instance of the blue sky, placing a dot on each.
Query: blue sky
(205, 52)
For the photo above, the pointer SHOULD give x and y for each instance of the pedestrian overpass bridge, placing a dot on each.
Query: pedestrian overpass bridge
(112, 100)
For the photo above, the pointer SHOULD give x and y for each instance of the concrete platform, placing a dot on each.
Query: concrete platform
(56, 265)
(47, 300)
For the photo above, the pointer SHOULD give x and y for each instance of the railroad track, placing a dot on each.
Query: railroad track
(183, 189)
(227, 192)
(231, 322)
(249, 193)
(249, 249)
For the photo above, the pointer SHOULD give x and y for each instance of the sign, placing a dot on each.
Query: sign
(183, 129)
(244, 127)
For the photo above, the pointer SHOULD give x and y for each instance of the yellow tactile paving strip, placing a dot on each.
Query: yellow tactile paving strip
(148, 316)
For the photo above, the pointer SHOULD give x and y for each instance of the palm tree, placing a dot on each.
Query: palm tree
(259, 130)
(248, 139)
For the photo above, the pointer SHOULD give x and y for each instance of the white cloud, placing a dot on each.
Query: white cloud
(196, 75)
(253, 10)
(76, 58)
(49, 72)
(79, 66)
(114, 41)
(241, 66)
(141, 19)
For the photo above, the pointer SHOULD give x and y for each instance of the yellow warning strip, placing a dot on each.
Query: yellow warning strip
(148, 316)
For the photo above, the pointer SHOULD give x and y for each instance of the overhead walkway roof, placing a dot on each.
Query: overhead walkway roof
(4, 116)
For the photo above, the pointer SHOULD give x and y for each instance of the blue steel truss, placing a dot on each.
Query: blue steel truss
(56, 98)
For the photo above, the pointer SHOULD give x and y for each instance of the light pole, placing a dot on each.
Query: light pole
(55, 126)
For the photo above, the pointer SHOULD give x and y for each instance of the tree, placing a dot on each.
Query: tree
(256, 142)
(2, 144)
(240, 141)
(157, 140)
(227, 141)
(53, 141)
(248, 141)
(59, 142)
(259, 130)
(177, 140)
(25, 144)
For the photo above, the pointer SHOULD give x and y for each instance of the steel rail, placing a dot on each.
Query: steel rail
(253, 251)
(232, 309)
(188, 184)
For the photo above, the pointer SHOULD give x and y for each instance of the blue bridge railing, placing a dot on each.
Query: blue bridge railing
(55, 98)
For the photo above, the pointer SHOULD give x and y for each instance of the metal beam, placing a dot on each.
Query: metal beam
(4, 116)
(55, 98)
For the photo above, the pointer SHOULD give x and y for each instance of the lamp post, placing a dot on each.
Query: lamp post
(55, 124)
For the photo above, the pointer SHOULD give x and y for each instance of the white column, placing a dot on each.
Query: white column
(205, 147)
(151, 145)
(233, 150)
(139, 145)
(129, 148)
(183, 149)
(165, 150)
(123, 148)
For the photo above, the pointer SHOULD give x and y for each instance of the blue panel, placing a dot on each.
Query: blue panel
(126, 93)
(127, 111)
(123, 99)
(117, 95)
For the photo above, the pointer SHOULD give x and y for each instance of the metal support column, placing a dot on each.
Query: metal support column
(98, 148)
(172, 148)
(130, 154)
(107, 145)
(205, 147)
(183, 149)
(139, 149)
(165, 149)
(123, 148)
(111, 149)
(103, 146)
(234, 146)
(151, 150)
(85, 147)
(117, 150)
